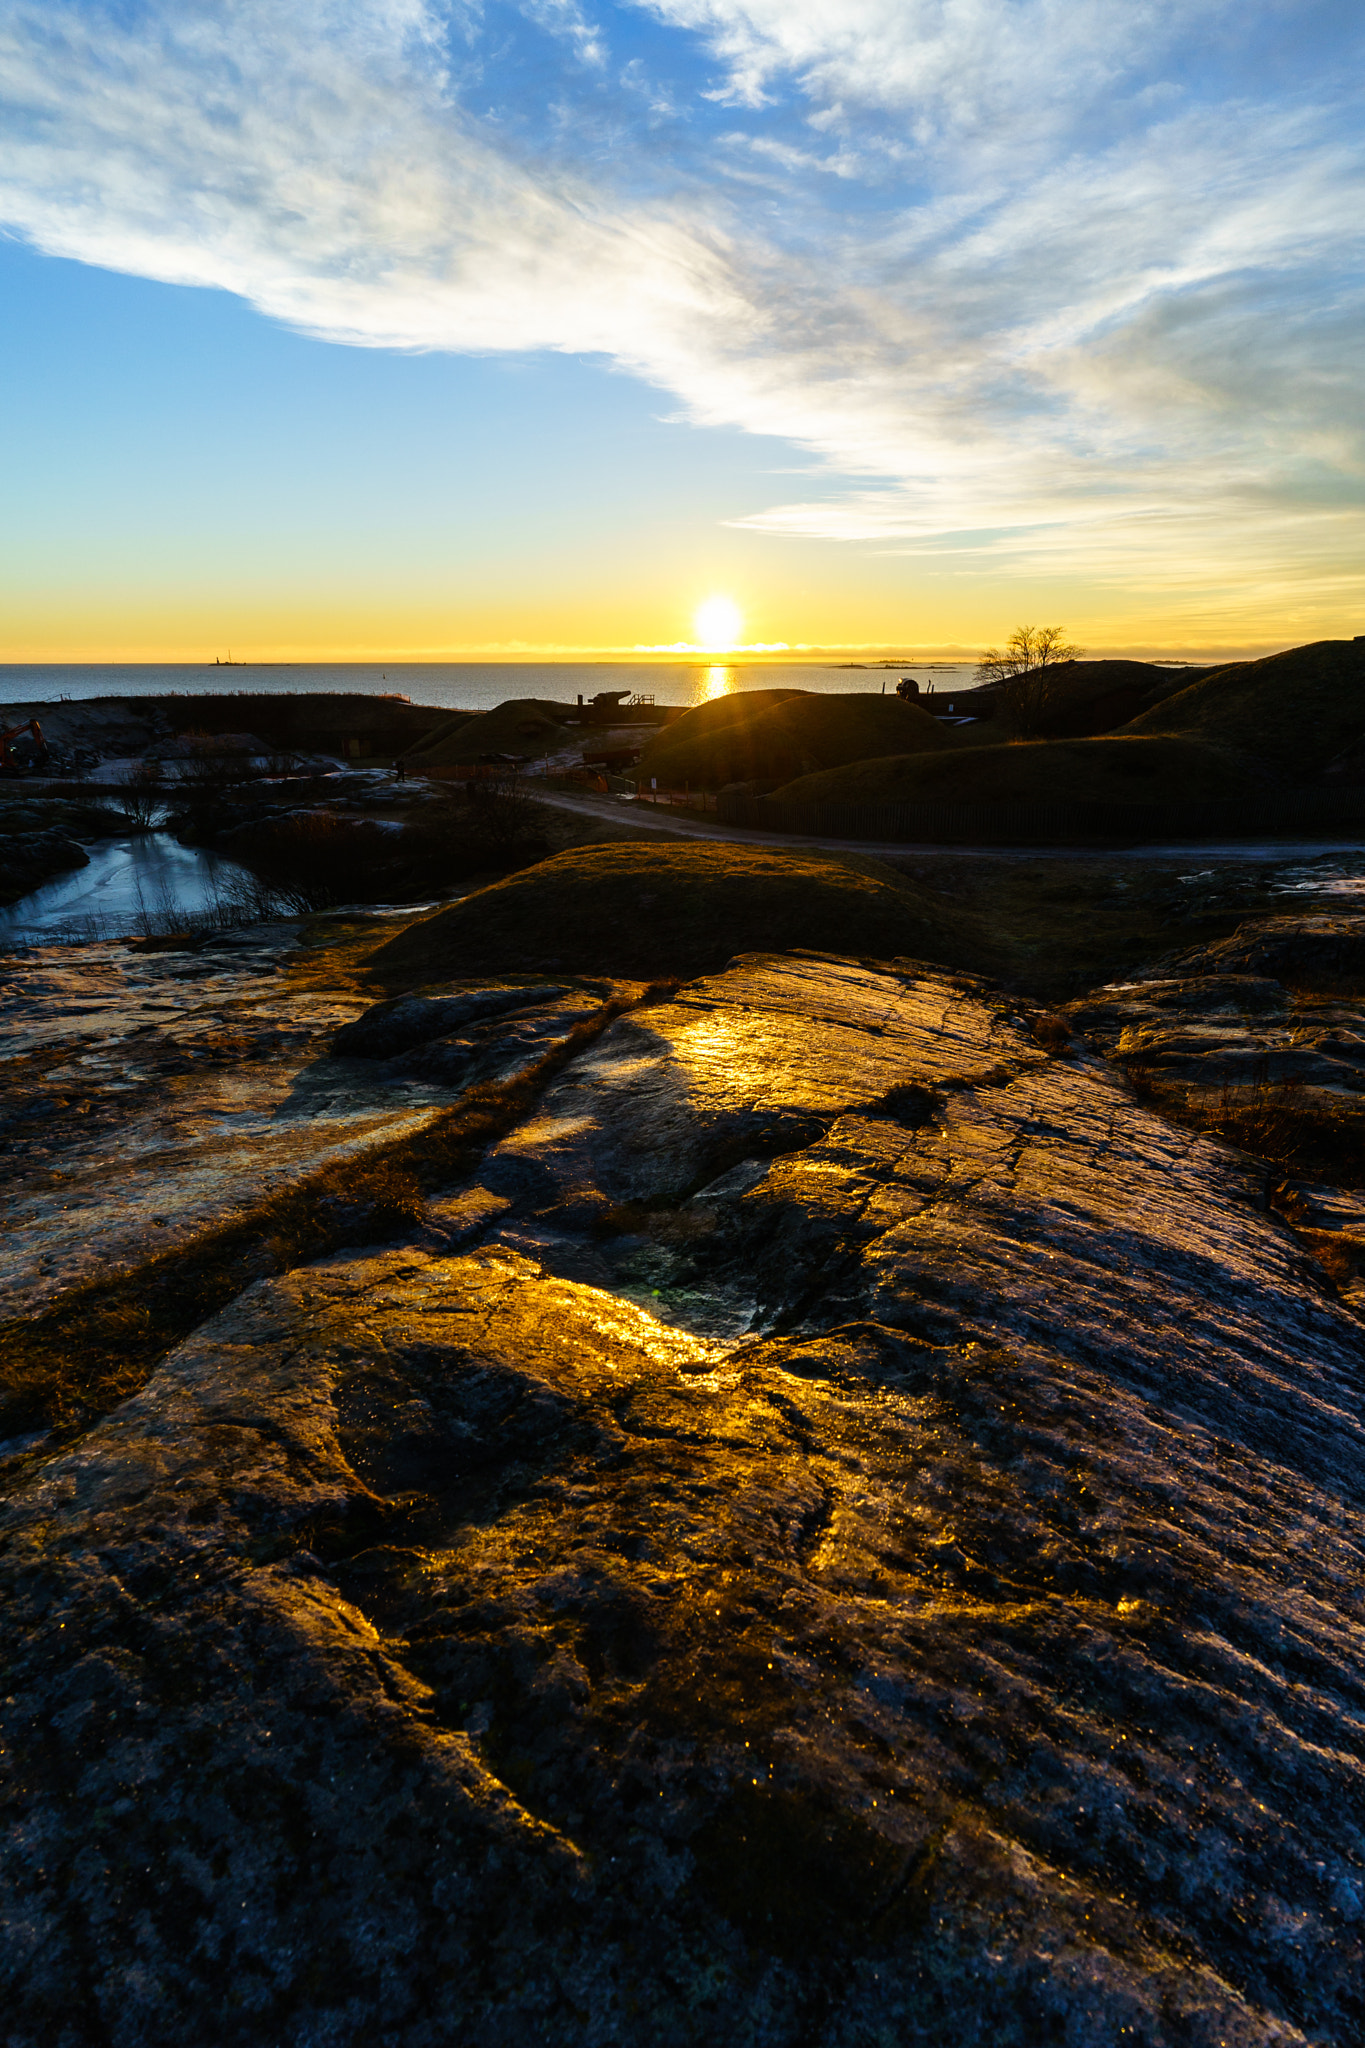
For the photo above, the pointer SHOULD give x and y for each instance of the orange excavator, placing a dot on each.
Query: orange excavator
(27, 759)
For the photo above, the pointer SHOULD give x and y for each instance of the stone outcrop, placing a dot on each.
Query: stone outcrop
(1300, 948)
(149, 1096)
(1279, 1065)
(1229, 1030)
(29, 856)
(478, 1034)
(859, 1543)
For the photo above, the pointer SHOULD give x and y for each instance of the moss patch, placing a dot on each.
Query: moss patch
(643, 910)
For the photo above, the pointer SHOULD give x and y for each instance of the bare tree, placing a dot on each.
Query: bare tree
(137, 793)
(1030, 666)
(213, 766)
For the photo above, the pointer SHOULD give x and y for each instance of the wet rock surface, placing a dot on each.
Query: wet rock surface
(147, 1096)
(1277, 1066)
(858, 1541)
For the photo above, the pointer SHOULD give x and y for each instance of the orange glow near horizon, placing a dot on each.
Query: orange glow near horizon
(88, 624)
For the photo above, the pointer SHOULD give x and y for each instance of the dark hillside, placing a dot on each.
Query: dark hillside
(699, 733)
(737, 707)
(333, 721)
(1296, 711)
(1117, 769)
(431, 741)
(785, 735)
(1098, 696)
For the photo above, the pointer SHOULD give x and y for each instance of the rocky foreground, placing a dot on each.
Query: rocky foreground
(152, 1095)
(844, 1530)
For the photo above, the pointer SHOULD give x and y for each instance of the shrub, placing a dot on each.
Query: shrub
(500, 814)
(1053, 1032)
(137, 793)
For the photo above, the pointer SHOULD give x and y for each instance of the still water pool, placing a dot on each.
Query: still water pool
(137, 885)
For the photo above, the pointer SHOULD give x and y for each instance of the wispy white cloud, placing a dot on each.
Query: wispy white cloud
(310, 159)
(566, 18)
(1053, 329)
(999, 69)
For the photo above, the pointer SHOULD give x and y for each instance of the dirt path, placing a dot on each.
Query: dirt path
(680, 825)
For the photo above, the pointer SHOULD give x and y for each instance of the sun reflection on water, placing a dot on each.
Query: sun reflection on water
(712, 683)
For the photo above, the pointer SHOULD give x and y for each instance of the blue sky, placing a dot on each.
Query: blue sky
(410, 326)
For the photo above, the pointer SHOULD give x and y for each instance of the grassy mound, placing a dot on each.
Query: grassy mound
(1295, 711)
(524, 725)
(650, 910)
(774, 735)
(702, 728)
(445, 732)
(1099, 696)
(1115, 769)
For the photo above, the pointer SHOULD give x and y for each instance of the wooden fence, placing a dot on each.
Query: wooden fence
(1340, 814)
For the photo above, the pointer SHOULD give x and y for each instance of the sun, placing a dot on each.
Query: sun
(718, 623)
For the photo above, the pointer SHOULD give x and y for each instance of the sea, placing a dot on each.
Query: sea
(461, 685)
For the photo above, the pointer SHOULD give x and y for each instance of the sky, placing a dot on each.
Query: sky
(385, 328)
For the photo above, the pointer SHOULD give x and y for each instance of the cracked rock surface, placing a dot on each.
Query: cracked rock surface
(145, 1097)
(859, 1544)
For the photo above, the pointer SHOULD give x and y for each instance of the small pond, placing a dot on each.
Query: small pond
(148, 883)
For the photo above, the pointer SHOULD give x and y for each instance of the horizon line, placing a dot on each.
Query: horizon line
(676, 655)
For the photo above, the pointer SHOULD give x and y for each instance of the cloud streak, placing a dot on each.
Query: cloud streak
(1040, 275)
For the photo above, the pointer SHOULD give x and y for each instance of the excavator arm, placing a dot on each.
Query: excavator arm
(9, 762)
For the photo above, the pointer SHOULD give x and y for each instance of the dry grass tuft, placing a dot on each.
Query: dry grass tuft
(1053, 1032)
(1342, 1258)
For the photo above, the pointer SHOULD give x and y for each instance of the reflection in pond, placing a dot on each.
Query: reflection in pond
(133, 886)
